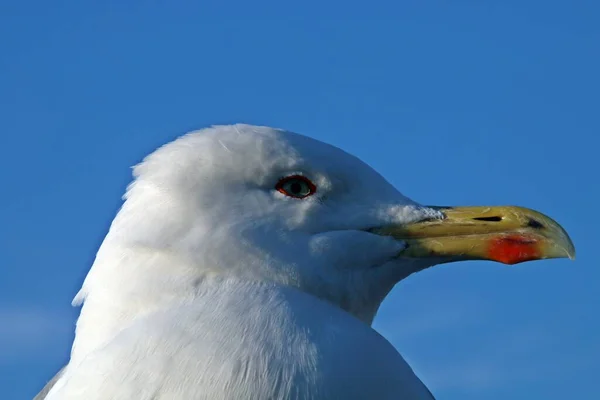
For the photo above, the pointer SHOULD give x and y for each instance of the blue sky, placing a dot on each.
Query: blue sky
(462, 102)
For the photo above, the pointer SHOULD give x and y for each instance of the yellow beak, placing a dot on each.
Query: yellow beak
(506, 234)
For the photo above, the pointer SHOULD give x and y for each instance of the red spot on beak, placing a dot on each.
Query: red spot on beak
(514, 249)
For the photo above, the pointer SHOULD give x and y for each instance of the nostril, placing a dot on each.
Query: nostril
(489, 219)
(535, 224)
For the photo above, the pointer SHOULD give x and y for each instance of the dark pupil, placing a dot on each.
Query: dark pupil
(296, 188)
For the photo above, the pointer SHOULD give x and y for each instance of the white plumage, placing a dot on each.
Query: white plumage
(212, 284)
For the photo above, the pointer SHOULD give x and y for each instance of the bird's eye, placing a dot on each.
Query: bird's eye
(297, 186)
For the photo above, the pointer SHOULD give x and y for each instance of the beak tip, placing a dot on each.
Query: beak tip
(569, 248)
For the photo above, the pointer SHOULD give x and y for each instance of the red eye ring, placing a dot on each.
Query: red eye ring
(296, 186)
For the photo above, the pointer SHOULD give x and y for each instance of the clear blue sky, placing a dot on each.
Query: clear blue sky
(455, 102)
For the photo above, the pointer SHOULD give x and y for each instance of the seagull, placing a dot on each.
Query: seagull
(249, 263)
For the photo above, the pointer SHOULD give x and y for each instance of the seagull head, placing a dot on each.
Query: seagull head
(263, 205)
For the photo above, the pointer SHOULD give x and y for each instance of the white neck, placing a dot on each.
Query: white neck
(128, 282)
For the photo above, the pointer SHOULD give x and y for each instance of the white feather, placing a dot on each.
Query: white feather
(213, 285)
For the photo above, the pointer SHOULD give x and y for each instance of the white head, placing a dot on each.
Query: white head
(260, 204)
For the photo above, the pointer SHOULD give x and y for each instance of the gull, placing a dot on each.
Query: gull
(249, 263)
